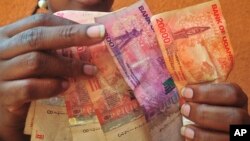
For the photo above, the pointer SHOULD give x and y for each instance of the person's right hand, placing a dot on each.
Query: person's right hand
(28, 71)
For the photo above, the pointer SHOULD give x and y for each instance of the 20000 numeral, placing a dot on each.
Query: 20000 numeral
(163, 30)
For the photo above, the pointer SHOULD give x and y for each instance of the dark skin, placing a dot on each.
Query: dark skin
(29, 72)
(213, 107)
(25, 50)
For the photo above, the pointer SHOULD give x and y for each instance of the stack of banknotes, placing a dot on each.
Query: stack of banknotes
(143, 64)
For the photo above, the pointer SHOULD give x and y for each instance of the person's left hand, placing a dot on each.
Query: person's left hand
(213, 108)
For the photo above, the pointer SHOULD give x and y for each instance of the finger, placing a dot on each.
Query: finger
(16, 93)
(214, 117)
(34, 21)
(38, 64)
(225, 94)
(193, 133)
(51, 38)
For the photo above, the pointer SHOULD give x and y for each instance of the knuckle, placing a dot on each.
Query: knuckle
(236, 94)
(238, 116)
(40, 19)
(201, 114)
(52, 86)
(1, 91)
(3, 31)
(27, 90)
(70, 32)
(35, 62)
(49, 87)
(233, 89)
(204, 91)
(3, 46)
(33, 37)
(72, 67)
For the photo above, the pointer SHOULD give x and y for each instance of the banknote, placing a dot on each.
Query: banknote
(195, 43)
(132, 42)
(106, 96)
(81, 113)
(50, 121)
(80, 16)
(115, 104)
(30, 118)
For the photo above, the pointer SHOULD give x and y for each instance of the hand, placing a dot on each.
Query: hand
(213, 108)
(28, 71)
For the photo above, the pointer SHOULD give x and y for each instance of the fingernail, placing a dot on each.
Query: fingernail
(96, 31)
(185, 109)
(65, 85)
(187, 92)
(187, 132)
(89, 69)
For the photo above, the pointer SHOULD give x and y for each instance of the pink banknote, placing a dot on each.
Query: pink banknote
(132, 42)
